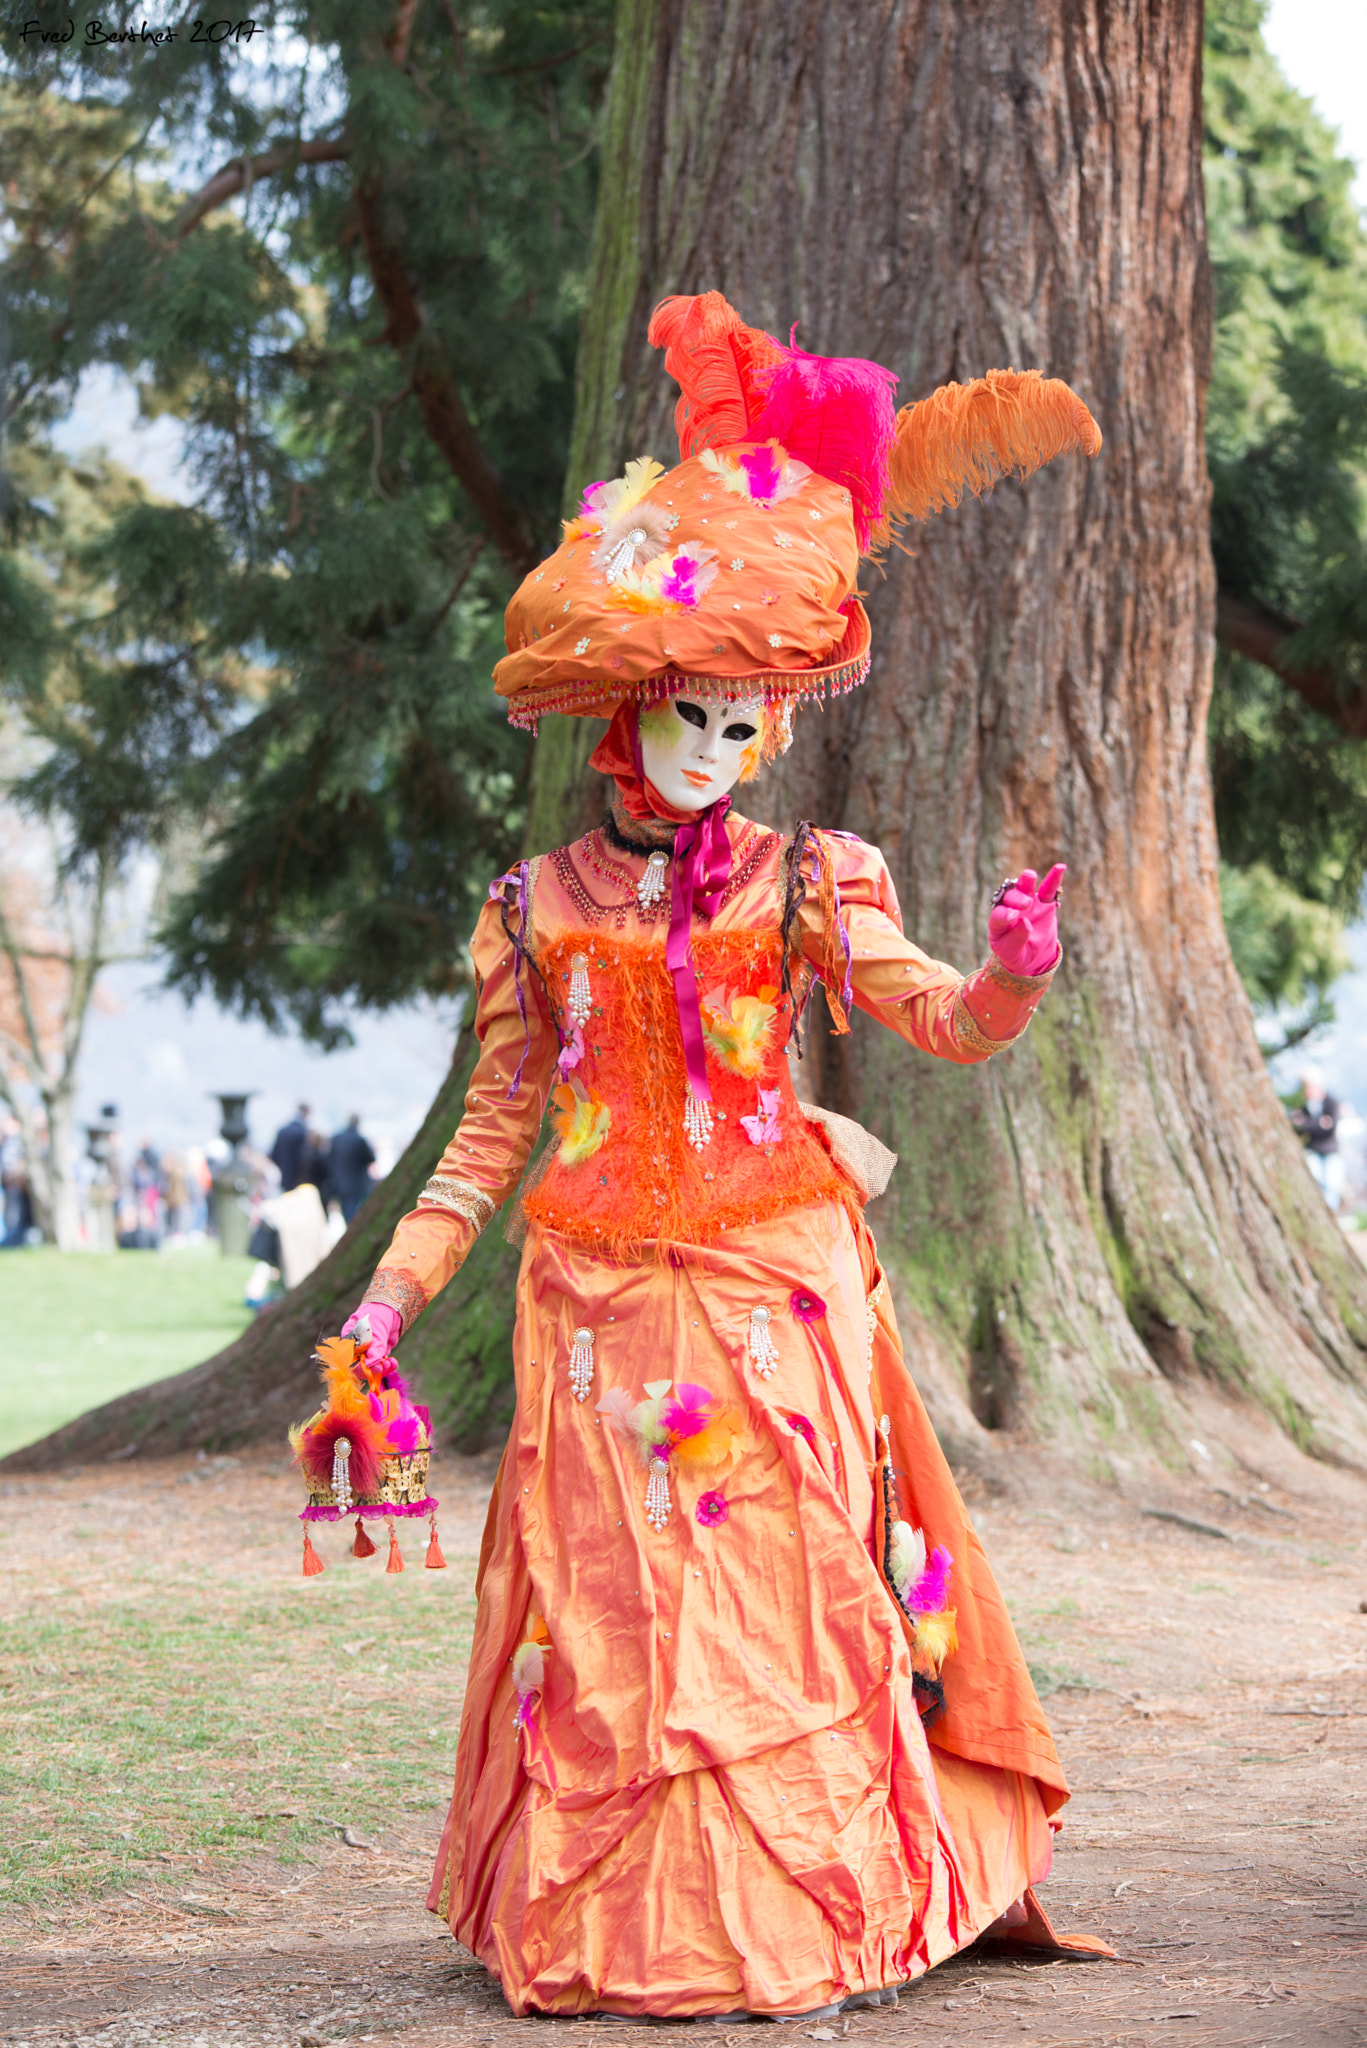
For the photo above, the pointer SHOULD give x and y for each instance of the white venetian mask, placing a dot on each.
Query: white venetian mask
(694, 749)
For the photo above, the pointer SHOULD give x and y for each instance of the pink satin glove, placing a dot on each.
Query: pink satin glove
(1023, 926)
(386, 1325)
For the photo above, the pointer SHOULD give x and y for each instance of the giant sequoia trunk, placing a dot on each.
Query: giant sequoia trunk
(1112, 1221)
(1109, 1226)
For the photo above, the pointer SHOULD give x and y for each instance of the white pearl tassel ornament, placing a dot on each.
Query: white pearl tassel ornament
(657, 1493)
(341, 1471)
(651, 886)
(581, 1364)
(580, 997)
(762, 1353)
(697, 1122)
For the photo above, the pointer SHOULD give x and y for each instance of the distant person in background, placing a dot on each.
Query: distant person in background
(18, 1212)
(317, 1166)
(1317, 1122)
(291, 1150)
(349, 1166)
(176, 1190)
(141, 1231)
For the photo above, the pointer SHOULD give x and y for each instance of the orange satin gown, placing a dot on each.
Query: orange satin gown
(726, 1797)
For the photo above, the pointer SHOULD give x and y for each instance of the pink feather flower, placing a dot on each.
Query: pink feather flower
(834, 413)
(800, 1426)
(687, 1413)
(691, 572)
(930, 1594)
(763, 471)
(806, 1306)
(712, 1509)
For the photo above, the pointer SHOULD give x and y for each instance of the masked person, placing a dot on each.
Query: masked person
(747, 1727)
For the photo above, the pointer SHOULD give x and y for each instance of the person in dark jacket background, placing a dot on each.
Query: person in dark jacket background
(1317, 1124)
(291, 1151)
(349, 1168)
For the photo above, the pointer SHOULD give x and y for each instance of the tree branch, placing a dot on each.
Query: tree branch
(9, 947)
(1249, 628)
(434, 387)
(84, 974)
(244, 171)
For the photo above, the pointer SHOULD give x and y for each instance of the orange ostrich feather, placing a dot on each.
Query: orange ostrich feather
(966, 437)
(341, 1359)
(718, 363)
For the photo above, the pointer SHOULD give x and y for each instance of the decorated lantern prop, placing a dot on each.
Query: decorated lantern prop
(365, 1453)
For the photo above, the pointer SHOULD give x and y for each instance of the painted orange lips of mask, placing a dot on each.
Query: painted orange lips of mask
(698, 781)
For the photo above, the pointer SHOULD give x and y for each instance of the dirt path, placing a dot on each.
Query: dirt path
(191, 1732)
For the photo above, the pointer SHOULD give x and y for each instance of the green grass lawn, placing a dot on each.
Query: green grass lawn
(82, 1327)
(211, 1720)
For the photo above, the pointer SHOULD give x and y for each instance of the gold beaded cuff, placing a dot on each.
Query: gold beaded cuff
(397, 1290)
(460, 1197)
(969, 1034)
(1024, 985)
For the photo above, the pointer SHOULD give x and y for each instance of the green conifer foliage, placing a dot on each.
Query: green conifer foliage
(1287, 450)
(355, 277)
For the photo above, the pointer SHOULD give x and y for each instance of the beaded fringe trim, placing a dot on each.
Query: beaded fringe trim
(593, 697)
(460, 1197)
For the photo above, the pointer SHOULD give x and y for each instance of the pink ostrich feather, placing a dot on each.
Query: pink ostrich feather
(834, 413)
(930, 1594)
(688, 1412)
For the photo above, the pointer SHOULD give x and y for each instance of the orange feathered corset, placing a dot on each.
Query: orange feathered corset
(629, 1169)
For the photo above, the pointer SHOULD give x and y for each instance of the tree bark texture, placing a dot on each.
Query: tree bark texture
(1111, 1223)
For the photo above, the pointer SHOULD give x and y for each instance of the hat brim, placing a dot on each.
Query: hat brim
(596, 697)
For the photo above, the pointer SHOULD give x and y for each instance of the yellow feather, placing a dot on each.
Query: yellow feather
(937, 1636)
(739, 1035)
(628, 490)
(581, 1122)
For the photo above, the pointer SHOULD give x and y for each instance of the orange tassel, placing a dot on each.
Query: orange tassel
(395, 1563)
(435, 1561)
(362, 1547)
(313, 1564)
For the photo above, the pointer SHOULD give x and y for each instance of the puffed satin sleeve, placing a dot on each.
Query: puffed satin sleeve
(958, 1017)
(483, 1162)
